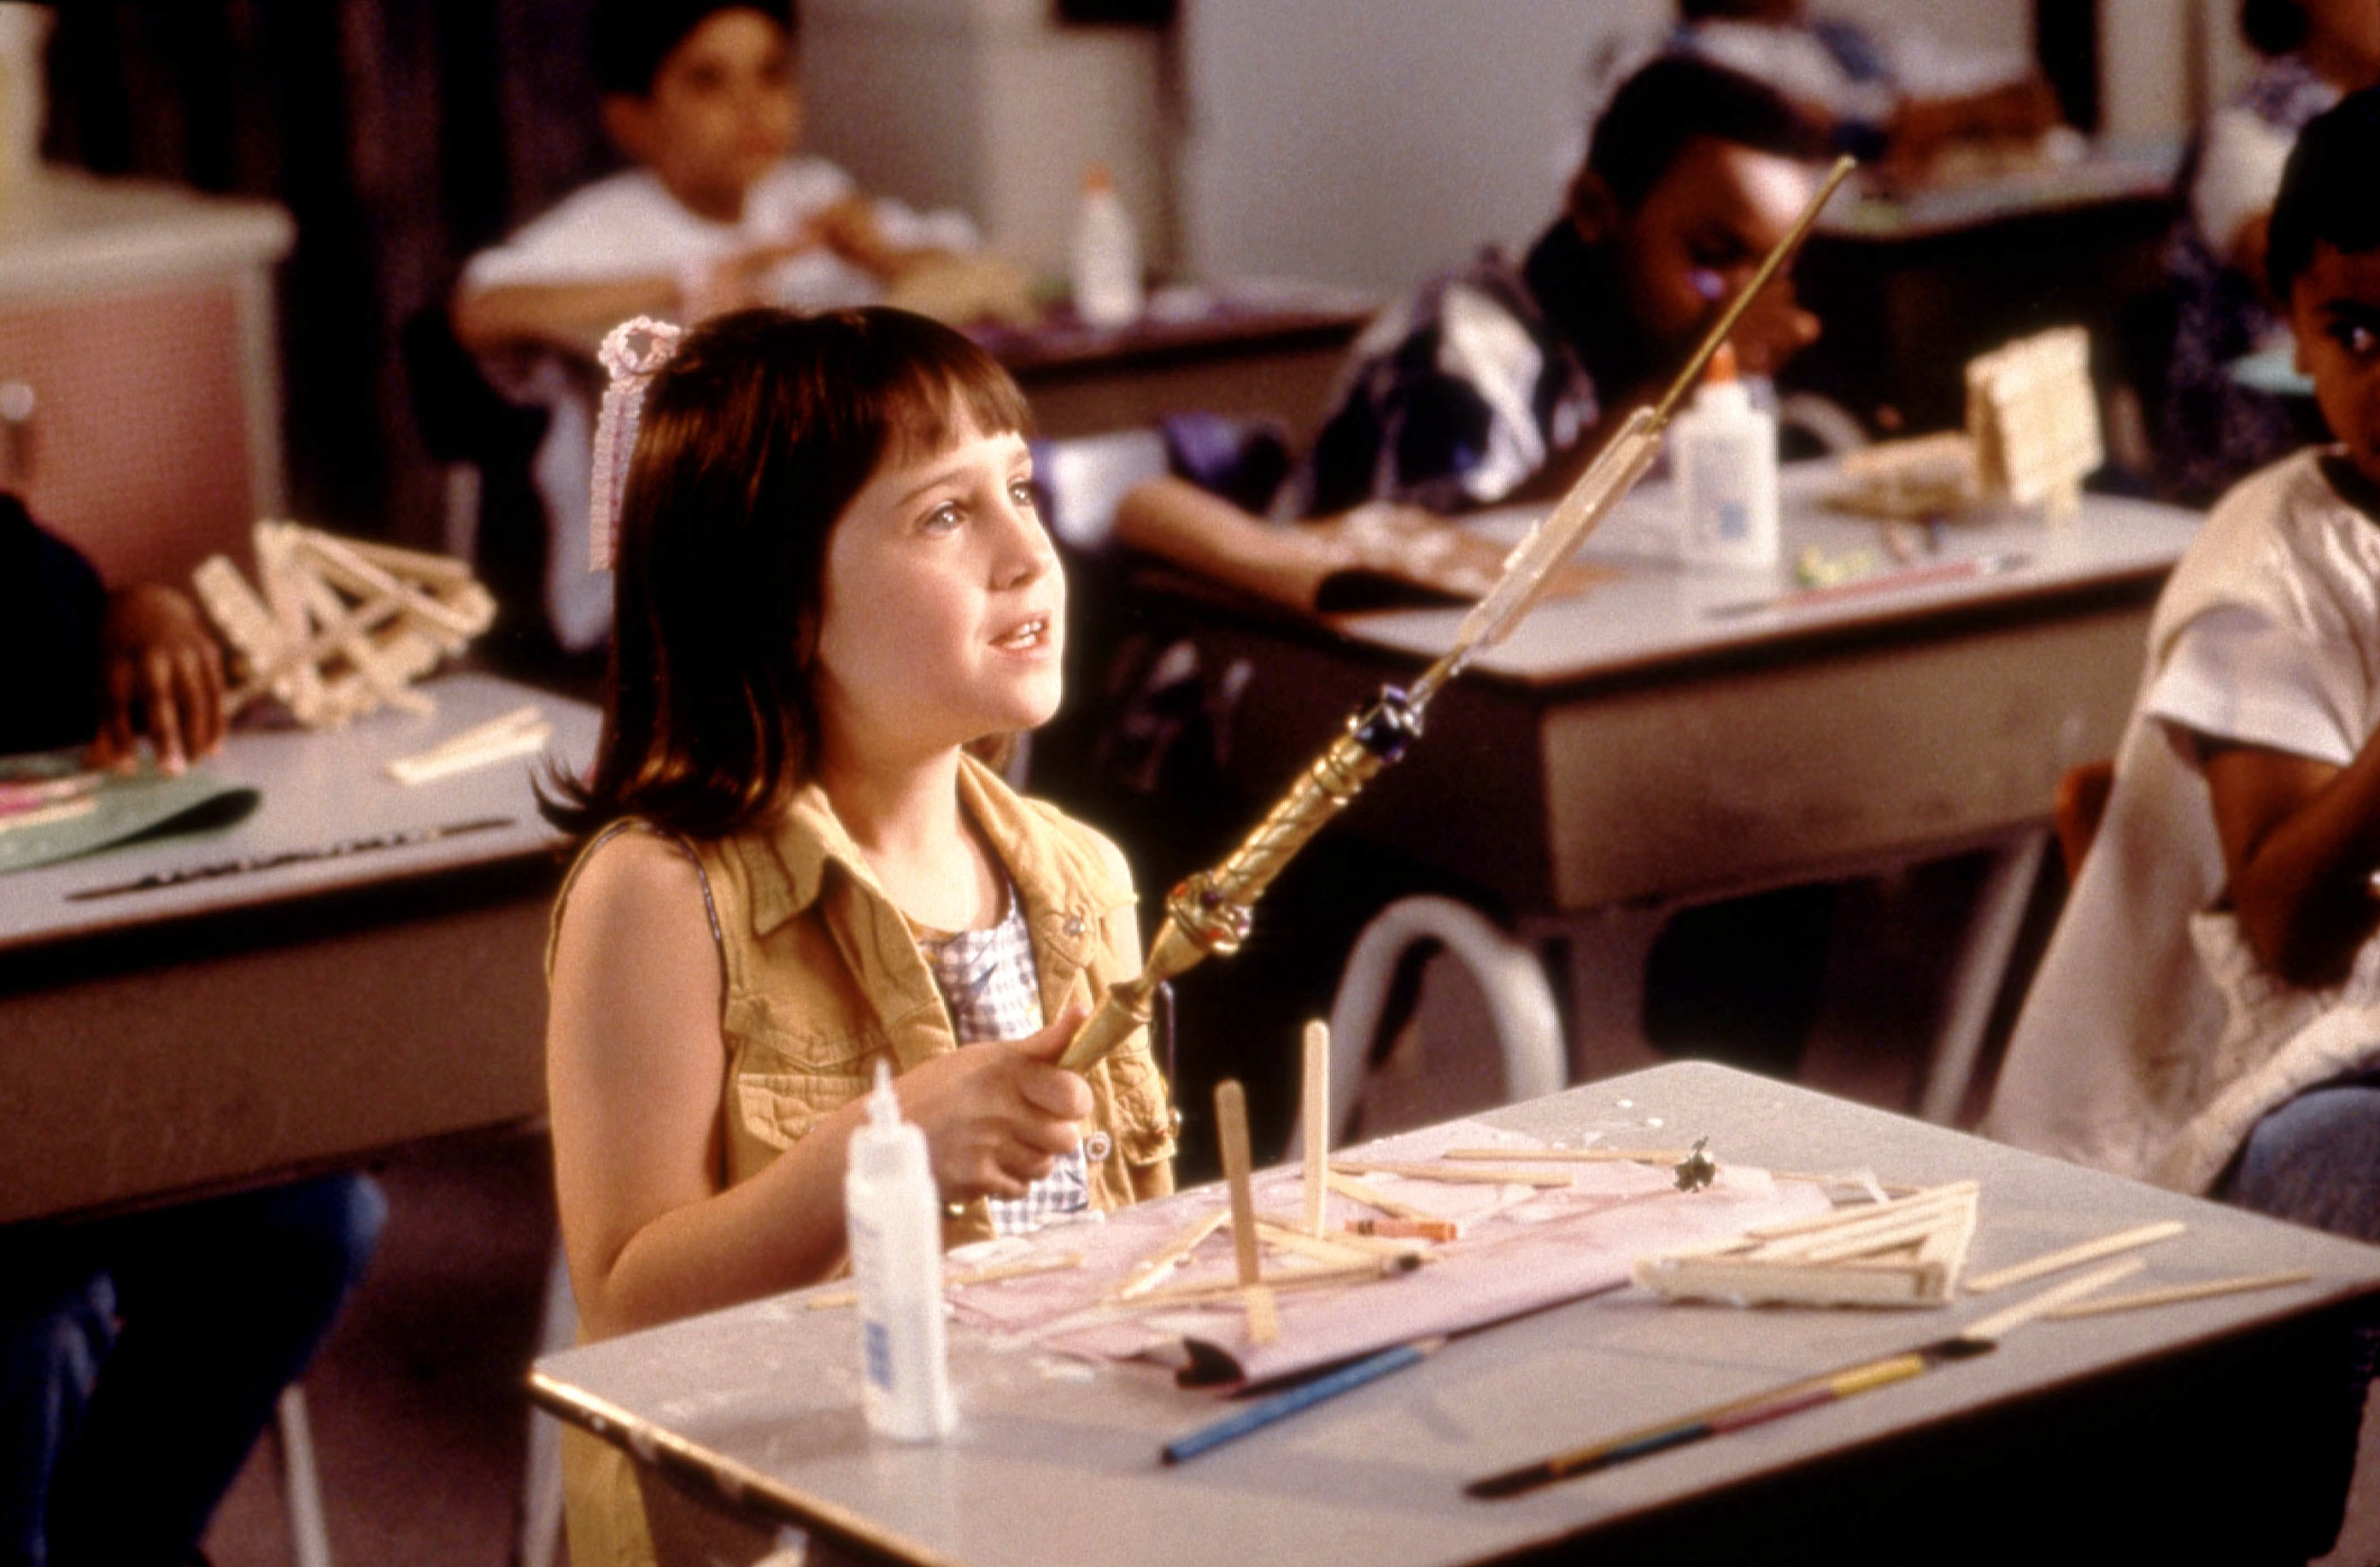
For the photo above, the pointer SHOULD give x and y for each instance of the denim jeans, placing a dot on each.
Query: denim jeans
(141, 1357)
(2315, 1161)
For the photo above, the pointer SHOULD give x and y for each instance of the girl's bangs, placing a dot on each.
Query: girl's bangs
(939, 395)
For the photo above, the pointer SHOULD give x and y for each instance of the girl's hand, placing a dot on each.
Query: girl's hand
(996, 1116)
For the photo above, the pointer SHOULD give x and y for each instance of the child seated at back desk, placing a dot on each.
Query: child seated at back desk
(2207, 1015)
(141, 1356)
(1901, 98)
(1495, 384)
(2214, 429)
(719, 213)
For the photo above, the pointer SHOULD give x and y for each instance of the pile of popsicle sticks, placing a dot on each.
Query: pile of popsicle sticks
(341, 627)
(1310, 1254)
(1907, 1251)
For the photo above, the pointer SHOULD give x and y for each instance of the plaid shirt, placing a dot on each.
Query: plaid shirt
(989, 982)
(1456, 397)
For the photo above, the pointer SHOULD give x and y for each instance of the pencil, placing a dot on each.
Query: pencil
(1257, 1415)
(1980, 1337)
(1773, 1404)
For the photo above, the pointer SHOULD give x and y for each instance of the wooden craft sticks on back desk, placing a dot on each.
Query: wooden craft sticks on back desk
(371, 975)
(2213, 1430)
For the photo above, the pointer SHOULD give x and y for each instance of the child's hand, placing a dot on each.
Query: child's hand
(162, 674)
(996, 1116)
(733, 282)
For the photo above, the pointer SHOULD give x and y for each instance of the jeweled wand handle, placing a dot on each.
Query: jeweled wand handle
(1209, 914)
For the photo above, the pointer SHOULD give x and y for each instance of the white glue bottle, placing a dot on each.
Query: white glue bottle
(1106, 256)
(1723, 453)
(893, 1218)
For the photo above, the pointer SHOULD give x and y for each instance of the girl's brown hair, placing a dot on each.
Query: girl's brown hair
(754, 440)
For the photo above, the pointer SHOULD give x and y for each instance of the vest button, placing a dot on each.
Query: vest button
(1098, 1146)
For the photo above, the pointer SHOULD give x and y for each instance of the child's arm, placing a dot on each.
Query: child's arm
(636, 1077)
(571, 314)
(2300, 838)
(850, 229)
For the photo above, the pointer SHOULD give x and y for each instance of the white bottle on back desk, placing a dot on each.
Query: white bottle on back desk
(893, 1218)
(1105, 275)
(1723, 454)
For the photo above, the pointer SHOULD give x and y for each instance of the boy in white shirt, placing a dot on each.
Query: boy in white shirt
(719, 213)
(2207, 1015)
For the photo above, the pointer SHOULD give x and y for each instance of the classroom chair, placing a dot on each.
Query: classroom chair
(1379, 984)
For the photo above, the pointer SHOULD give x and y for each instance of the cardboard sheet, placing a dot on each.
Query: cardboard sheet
(1522, 1249)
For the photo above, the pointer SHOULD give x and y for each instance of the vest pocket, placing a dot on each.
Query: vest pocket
(780, 1108)
(784, 1079)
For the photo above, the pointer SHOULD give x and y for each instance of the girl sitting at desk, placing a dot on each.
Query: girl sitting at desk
(2207, 1015)
(833, 590)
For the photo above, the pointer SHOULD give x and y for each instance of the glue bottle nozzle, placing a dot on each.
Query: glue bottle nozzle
(883, 1105)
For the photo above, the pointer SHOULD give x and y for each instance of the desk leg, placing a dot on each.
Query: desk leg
(1600, 956)
(1974, 987)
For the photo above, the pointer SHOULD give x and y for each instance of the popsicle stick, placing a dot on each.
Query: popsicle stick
(1569, 1156)
(1337, 1246)
(1366, 1271)
(1264, 1316)
(1231, 1129)
(2088, 1251)
(1158, 1264)
(1316, 1107)
(1373, 1197)
(1998, 1324)
(1456, 1175)
(449, 760)
(2172, 1295)
(1932, 1198)
(1023, 1268)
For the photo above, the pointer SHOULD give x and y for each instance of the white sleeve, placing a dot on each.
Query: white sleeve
(2235, 674)
(2239, 175)
(620, 227)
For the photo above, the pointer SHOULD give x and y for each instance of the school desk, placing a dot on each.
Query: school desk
(1244, 350)
(238, 1027)
(1910, 288)
(1661, 741)
(2206, 1432)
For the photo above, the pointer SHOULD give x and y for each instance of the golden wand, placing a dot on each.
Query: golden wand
(1210, 913)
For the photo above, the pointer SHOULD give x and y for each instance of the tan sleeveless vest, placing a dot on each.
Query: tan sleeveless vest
(821, 977)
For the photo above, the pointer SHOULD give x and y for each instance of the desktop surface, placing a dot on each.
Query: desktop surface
(2060, 1438)
(353, 966)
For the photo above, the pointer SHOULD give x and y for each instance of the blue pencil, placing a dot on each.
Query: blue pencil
(1259, 1414)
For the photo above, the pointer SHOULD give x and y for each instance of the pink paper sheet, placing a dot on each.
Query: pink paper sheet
(1522, 1249)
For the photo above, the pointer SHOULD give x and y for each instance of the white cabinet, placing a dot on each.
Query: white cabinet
(139, 402)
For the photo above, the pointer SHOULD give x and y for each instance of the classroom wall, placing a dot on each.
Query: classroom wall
(1368, 141)
(994, 107)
